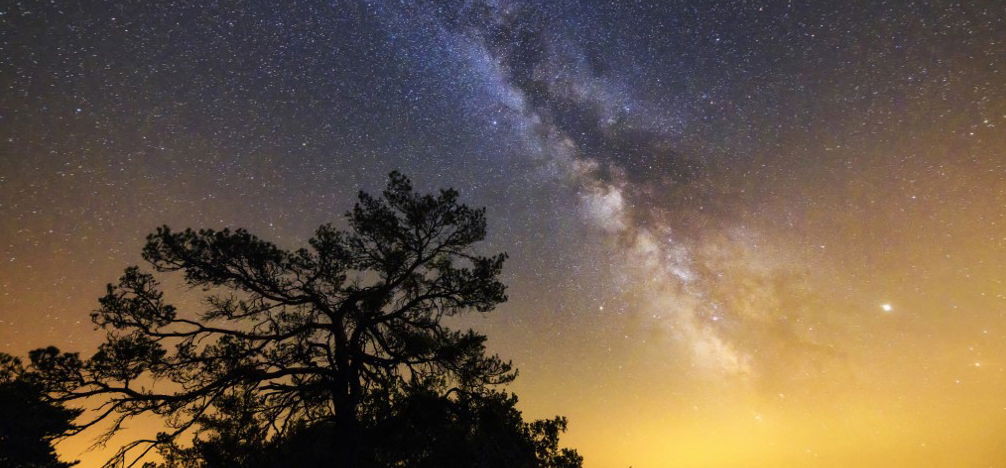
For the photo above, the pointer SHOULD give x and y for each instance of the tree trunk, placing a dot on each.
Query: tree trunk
(348, 438)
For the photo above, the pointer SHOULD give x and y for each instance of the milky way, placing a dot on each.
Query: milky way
(589, 130)
(741, 233)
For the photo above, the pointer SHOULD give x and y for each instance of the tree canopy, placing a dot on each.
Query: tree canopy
(341, 339)
(29, 422)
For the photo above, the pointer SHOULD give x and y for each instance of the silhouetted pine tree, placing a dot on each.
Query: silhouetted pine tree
(341, 338)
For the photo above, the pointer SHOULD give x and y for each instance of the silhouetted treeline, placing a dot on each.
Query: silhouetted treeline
(29, 421)
(416, 428)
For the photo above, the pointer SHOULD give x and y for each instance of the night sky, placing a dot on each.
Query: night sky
(740, 233)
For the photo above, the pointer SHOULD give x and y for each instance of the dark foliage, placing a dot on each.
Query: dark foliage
(29, 422)
(424, 428)
(318, 340)
(418, 427)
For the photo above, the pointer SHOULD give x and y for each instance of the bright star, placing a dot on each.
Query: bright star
(886, 307)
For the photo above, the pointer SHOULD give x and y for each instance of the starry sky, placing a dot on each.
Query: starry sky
(741, 233)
